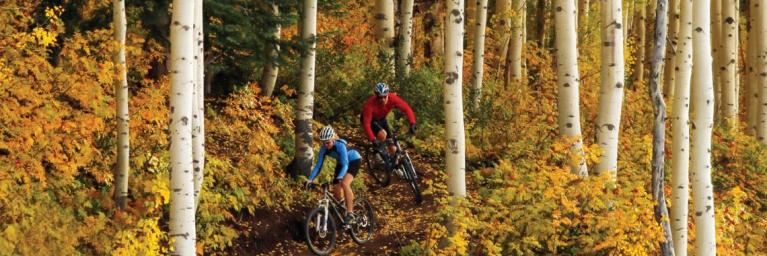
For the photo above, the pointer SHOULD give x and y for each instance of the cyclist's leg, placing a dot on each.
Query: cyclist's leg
(338, 191)
(391, 148)
(346, 184)
(379, 128)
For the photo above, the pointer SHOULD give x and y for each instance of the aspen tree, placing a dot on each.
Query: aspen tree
(569, 117)
(305, 105)
(478, 53)
(122, 168)
(680, 162)
(611, 89)
(271, 68)
(729, 64)
(182, 76)
(702, 126)
(455, 137)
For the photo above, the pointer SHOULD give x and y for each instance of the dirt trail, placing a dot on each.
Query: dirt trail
(400, 219)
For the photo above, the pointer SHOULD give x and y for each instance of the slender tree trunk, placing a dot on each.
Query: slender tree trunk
(479, 53)
(680, 162)
(543, 16)
(506, 71)
(432, 28)
(752, 94)
(384, 26)
(198, 120)
(659, 128)
(702, 126)
(639, 65)
(611, 91)
(182, 76)
(583, 9)
(122, 168)
(568, 80)
(454, 129)
(305, 107)
(517, 41)
(503, 30)
(669, 73)
(761, 65)
(271, 69)
(628, 18)
(729, 103)
(470, 8)
(405, 56)
(716, 52)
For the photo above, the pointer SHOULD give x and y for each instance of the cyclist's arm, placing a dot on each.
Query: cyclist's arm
(367, 117)
(404, 107)
(318, 165)
(343, 159)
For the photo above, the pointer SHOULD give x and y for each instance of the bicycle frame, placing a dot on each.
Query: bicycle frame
(399, 153)
(328, 202)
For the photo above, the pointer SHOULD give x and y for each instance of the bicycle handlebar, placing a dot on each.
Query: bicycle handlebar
(323, 185)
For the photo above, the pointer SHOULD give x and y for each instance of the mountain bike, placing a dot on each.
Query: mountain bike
(321, 229)
(381, 165)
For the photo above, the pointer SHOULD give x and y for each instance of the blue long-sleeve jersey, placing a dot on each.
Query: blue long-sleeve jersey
(342, 155)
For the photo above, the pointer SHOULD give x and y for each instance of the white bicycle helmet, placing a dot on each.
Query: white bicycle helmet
(326, 133)
(381, 89)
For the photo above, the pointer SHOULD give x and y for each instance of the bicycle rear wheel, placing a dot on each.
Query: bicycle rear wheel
(412, 178)
(364, 225)
(377, 167)
(320, 231)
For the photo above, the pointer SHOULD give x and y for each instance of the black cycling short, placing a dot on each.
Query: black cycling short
(354, 168)
(378, 124)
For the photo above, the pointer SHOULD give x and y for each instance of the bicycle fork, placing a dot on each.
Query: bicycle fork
(322, 220)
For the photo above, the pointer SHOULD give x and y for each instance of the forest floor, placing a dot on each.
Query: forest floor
(400, 219)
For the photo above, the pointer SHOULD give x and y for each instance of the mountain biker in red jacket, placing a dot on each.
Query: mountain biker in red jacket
(374, 115)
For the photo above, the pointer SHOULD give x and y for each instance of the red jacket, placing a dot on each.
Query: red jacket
(373, 109)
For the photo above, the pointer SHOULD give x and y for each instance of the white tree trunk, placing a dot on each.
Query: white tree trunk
(761, 65)
(611, 91)
(680, 161)
(405, 55)
(752, 93)
(639, 65)
(503, 30)
(517, 41)
(659, 127)
(479, 53)
(568, 79)
(669, 73)
(271, 69)
(716, 52)
(702, 126)
(122, 170)
(198, 121)
(729, 103)
(182, 67)
(455, 150)
(384, 26)
(305, 106)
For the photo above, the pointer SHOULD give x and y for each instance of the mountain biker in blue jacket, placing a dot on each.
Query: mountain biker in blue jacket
(347, 165)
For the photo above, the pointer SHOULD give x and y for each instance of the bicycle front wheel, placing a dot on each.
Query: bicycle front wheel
(412, 178)
(320, 231)
(377, 168)
(364, 225)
